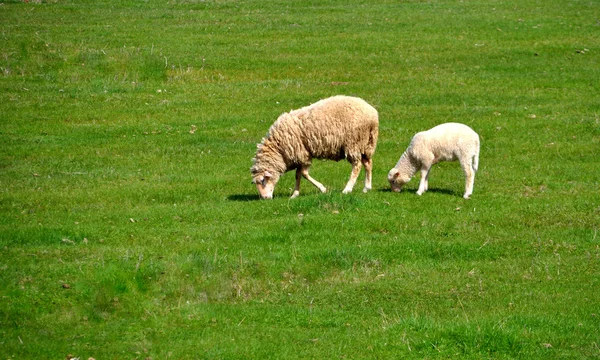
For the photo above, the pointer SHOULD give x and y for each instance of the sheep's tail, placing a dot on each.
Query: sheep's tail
(372, 144)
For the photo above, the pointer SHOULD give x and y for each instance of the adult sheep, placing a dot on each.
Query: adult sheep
(445, 142)
(339, 127)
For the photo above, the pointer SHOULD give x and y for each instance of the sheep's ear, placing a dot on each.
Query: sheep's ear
(396, 175)
(267, 174)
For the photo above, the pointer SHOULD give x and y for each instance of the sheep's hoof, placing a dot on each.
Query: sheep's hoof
(366, 189)
(419, 193)
(467, 197)
(323, 190)
(347, 191)
(295, 194)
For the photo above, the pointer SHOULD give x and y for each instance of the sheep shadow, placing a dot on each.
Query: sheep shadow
(405, 192)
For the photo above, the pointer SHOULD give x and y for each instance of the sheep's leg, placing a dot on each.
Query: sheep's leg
(297, 187)
(469, 176)
(368, 163)
(424, 183)
(356, 165)
(304, 171)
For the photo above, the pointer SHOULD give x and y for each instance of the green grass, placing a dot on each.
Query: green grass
(124, 233)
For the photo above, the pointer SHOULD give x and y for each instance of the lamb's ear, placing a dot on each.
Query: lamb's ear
(267, 174)
(396, 175)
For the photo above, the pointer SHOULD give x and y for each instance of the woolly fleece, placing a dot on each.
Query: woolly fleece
(339, 127)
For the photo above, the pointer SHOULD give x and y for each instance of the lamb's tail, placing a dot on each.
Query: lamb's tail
(475, 161)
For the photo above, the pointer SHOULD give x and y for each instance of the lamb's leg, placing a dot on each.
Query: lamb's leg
(356, 165)
(469, 176)
(424, 183)
(297, 187)
(304, 172)
(368, 163)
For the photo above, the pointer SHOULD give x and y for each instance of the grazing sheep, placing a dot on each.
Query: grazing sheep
(339, 127)
(446, 142)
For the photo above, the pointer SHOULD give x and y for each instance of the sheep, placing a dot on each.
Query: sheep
(445, 142)
(339, 127)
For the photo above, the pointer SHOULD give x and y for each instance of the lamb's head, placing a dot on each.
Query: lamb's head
(397, 179)
(265, 183)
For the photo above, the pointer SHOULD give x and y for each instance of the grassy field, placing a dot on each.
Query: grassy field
(129, 228)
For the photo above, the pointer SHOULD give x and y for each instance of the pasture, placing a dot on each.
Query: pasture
(129, 227)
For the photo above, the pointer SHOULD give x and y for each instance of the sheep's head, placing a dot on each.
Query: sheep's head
(265, 183)
(397, 179)
(267, 168)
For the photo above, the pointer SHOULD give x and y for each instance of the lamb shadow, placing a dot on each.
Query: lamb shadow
(243, 197)
(443, 191)
(384, 190)
(414, 191)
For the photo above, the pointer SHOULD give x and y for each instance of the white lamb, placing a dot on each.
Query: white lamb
(339, 127)
(445, 142)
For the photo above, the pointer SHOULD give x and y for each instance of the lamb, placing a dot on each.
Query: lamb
(445, 142)
(339, 127)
